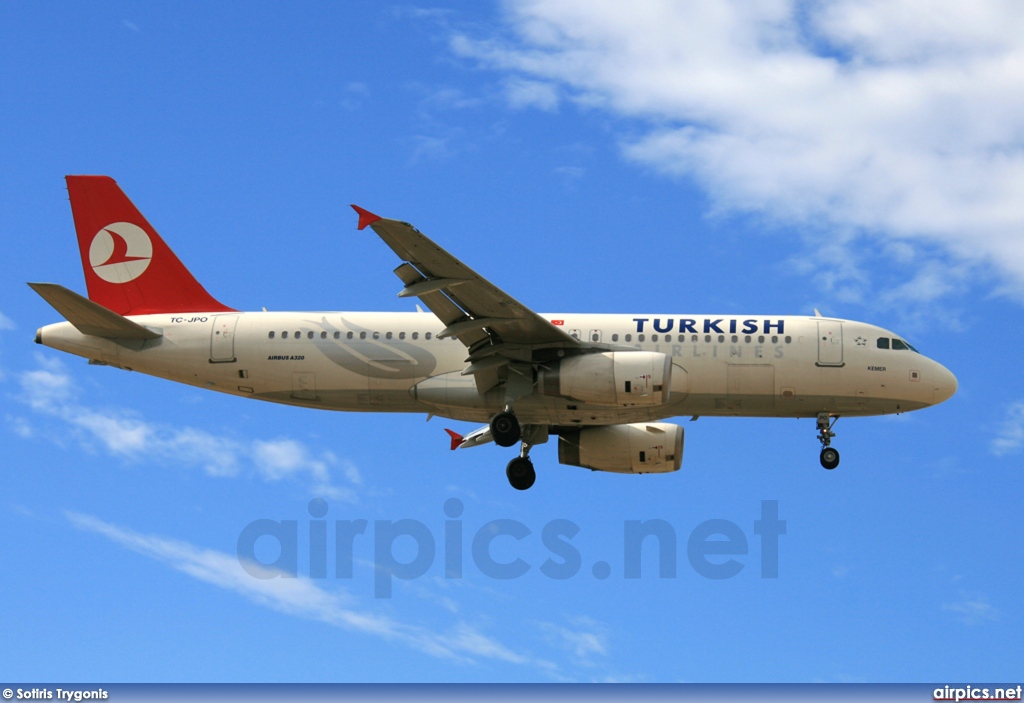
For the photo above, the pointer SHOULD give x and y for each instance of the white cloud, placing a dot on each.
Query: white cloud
(48, 387)
(50, 391)
(526, 93)
(973, 611)
(302, 597)
(287, 458)
(1011, 433)
(901, 119)
(352, 473)
(584, 638)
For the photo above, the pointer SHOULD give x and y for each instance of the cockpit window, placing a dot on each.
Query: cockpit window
(897, 344)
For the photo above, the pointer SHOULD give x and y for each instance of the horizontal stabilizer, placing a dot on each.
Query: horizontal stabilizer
(89, 317)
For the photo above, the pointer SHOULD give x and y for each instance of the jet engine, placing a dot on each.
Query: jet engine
(640, 448)
(611, 378)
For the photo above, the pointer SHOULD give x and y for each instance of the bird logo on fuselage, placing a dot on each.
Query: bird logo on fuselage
(120, 252)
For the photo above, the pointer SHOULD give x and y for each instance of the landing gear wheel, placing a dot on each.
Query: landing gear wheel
(505, 429)
(829, 458)
(520, 473)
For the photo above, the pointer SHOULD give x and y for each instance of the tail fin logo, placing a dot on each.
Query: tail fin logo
(120, 252)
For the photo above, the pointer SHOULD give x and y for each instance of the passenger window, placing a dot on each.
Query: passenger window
(654, 338)
(775, 339)
(594, 337)
(707, 339)
(271, 335)
(298, 334)
(883, 342)
(747, 339)
(629, 338)
(309, 335)
(350, 335)
(760, 339)
(694, 339)
(426, 336)
(337, 335)
(323, 335)
(668, 338)
(615, 337)
(284, 335)
(735, 339)
(788, 339)
(362, 335)
(415, 335)
(640, 338)
(899, 344)
(376, 335)
(388, 335)
(721, 338)
(401, 335)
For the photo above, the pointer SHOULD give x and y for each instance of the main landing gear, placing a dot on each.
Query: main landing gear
(829, 456)
(506, 431)
(520, 473)
(505, 428)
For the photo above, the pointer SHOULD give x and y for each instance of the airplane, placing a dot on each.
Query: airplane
(603, 384)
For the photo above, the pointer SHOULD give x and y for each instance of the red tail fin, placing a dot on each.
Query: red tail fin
(128, 267)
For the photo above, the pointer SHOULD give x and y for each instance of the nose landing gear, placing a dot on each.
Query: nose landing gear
(829, 456)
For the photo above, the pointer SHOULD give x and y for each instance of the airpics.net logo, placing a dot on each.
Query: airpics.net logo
(120, 252)
(499, 549)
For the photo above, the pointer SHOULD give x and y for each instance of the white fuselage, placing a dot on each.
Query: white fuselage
(765, 366)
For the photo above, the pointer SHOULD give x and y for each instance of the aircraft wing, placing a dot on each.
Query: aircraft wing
(471, 308)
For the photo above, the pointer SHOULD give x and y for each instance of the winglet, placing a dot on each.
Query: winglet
(365, 217)
(456, 438)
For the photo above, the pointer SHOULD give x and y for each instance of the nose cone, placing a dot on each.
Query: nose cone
(945, 384)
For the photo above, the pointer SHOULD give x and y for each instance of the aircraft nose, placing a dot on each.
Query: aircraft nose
(945, 384)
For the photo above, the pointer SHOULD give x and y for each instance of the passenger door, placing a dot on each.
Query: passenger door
(830, 343)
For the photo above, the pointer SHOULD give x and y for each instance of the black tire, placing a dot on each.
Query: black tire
(520, 473)
(829, 458)
(505, 429)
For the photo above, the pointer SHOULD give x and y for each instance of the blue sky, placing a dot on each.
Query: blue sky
(863, 158)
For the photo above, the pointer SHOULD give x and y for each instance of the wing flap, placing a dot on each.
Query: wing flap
(89, 317)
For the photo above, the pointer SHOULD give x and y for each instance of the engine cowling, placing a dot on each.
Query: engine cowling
(639, 448)
(611, 378)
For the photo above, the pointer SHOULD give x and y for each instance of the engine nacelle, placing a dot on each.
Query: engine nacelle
(611, 378)
(640, 448)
